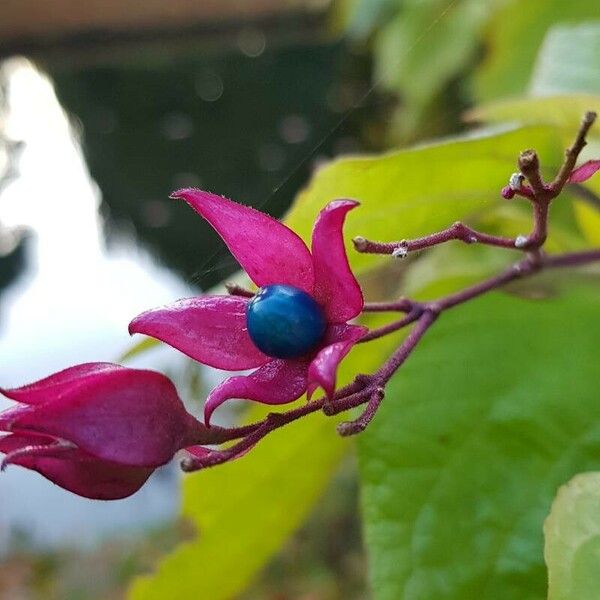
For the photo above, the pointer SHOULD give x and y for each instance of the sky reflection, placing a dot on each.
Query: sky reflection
(71, 305)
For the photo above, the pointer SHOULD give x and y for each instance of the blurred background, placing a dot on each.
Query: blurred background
(106, 107)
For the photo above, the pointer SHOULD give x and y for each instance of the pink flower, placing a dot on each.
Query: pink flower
(214, 330)
(97, 429)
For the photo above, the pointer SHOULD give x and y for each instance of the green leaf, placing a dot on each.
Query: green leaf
(426, 44)
(515, 34)
(497, 407)
(413, 192)
(139, 347)
(572, 534)
(562, 111)
(565, 83)
(589, 219)
(244, 510)
(568, 61)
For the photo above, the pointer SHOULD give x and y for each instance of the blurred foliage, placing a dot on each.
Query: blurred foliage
(572, 548)
(440, 56)
(96, 573)
(324, 556)
(420, 47)
(513, 37)
(562, 66)
(565, 82)
(324, 560)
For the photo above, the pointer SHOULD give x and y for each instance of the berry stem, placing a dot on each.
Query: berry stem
(370, 389)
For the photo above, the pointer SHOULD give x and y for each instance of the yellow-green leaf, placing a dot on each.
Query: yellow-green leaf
(588, 217)
(572, 545)
(561, 110)
(244, 510)
(412, 192)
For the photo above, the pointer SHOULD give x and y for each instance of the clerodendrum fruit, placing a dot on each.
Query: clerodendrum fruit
(284, 321)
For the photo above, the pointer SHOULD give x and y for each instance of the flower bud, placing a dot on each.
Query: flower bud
(97, 429)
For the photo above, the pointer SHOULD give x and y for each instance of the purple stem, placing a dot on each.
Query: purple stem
(400, 305)
(411, 317)
(458, 231)
(370, 388)
(386, 372)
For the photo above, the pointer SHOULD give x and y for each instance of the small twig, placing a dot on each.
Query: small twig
(529, 164)
(385, 373)
(411, 317)
(348, 428)
(401, 305)
(574, 259)
(457, 231)
(573, 153)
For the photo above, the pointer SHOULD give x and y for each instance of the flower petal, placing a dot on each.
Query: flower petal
(209, 329)
(127, 416)
(322, 370)
(267, 250)
(74, 470)
(58, 383)
(278, 382)
(10, 415)
(585, 171)
(336, 288)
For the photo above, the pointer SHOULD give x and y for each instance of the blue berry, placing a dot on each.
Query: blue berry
(284, 321)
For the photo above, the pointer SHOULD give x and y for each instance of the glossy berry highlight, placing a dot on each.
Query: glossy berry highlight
(284, 321)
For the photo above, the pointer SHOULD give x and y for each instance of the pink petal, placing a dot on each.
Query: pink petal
(585, 171)
(336, 288)
(209, 329)
(127, 416)
(76, 471)
(267, 250)
(278, 382)
(58, 383)
(323, 369)
(9, 416)
(17, 441)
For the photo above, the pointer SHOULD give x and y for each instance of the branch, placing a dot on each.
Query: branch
(539, 194)
(572, 153)
(370, 389)
(457, 231)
